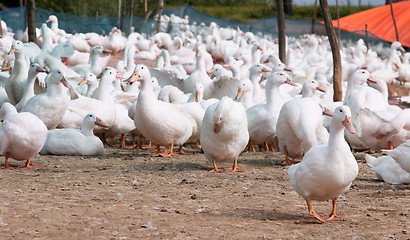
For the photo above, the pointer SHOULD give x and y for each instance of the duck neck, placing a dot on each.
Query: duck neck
(104, 90)
(336, 135)
(90, 89)
(20, 64)
(200, 64)
(56, 89)
(273, 96)
(87, 130)
(29, 87)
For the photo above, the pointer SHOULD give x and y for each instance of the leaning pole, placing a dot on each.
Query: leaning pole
(335, 47)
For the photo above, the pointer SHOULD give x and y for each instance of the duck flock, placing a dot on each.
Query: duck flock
(221, 89)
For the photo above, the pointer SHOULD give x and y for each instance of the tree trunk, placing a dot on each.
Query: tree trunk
(334, 45)
(281, 30)
(288, 7)
(394, 20)
(161, 6)
(119, 13)
(31, 20)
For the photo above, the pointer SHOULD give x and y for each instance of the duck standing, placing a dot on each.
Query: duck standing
(327, 171)
(51, 105)
(224, 133)
(22, 135)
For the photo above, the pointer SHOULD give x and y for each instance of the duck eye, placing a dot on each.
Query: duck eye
(90, 115)
(340, 110)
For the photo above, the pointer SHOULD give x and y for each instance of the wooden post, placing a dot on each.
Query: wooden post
(131, 15)
(335, 47)
(31, 20)
(1, 29)
(314, 17)
(119, 13)
(281, 30)
(338, 22)
(161, 6)
(394, 20)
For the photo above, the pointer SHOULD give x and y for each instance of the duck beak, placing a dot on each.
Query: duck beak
(290, 82)
(40, 69)
(100, 75)
(348, 125)
(134, 77)
(320, 88)
(119, 75)
(372, 79)
(326, 111)
(5, 69)
(101, 123)
(262, 79)
(12, 50)
(287, 69)
(217, 127)
(239, 94)
(197, 96)
(65, 82)
(84, 81)
(266, 69)
(48, 20)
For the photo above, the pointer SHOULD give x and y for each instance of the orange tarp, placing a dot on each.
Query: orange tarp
(379, 22)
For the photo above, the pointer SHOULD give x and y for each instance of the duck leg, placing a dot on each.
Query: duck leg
(312, 212)
(251, 148)
(6, 161)
(215, 169)
(235, 167)
(158, 154)
(180, 150)
(28, 164)
(170, 151)
(333, 215)
(287, 159)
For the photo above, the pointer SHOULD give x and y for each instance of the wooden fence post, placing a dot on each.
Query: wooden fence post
(335, 47)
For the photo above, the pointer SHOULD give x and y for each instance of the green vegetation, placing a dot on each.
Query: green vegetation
(238, 10)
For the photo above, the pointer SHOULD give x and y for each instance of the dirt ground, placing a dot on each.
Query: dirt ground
(126, 194)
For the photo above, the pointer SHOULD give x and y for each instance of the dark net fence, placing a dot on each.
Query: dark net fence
(15, 19)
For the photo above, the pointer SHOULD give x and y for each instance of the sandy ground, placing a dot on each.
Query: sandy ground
(126, 194)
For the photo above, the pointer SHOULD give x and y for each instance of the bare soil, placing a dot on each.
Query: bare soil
(126, 194)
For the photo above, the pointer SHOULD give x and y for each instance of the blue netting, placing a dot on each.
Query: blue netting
(15, 19)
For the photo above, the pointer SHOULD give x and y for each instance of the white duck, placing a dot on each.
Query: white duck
(199, 75)
(150, 115)
(327, 171)
(262, 118)
(401, 154)
(22, 135)
(51, 105)
(300, 123)
(93, 65)
(245, 93)
(360, 96)
(387, 169)
(71, 141)
(224, 133)
(103, 106)
(18, 76)
(29, 88)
